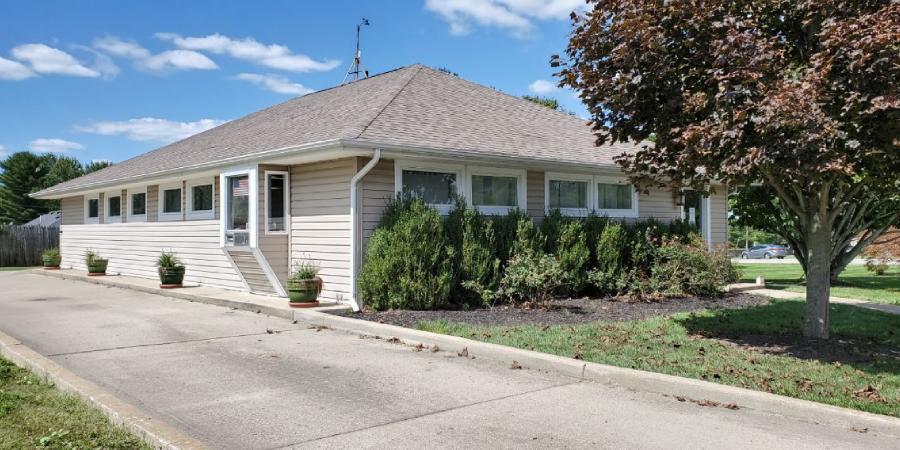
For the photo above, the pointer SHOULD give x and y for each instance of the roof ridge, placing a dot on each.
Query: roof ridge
(386, 105)
(498, 91)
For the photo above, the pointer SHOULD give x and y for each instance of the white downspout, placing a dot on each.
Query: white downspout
(354, 238)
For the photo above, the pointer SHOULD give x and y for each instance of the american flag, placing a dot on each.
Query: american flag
(240, 186)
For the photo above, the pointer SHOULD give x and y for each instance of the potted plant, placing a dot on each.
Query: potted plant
(51, 259)
(95, 264)
(304, 285)
(171, 270)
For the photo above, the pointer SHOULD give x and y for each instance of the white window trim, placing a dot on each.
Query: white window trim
(458, 170)
(287, 202)
(132, 217)
(572, 212)
(252, 173)
(164, 216)
(625, 213)
(191, 214)
(87, 199)
(592, 195)
(106, 217)
(521, 188)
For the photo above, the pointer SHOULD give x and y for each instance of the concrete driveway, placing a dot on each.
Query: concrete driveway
(235, 379)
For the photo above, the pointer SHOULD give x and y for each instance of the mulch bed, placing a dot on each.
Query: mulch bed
(568, 311)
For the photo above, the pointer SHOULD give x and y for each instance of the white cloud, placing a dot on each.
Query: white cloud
(161, 62)
(178, 60)
(275, 83)
(117, 47)
(49, 60)
(150, 128)
(53, 145)
(2, 151)
(542, 87)
(514, 15)
(274, 55)
(14, 70)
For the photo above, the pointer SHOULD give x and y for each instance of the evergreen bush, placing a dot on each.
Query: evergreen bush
(409, 263)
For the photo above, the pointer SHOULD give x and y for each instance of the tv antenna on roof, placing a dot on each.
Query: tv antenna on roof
(356, 66)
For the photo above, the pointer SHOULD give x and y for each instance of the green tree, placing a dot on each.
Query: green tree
(62, 168)
(549, 102)
(22, 174)
(802, 96)
(94, 166)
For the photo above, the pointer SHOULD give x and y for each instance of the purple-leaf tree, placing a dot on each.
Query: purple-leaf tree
(799, 96)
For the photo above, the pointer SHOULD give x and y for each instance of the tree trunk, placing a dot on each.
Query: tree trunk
(818, 279)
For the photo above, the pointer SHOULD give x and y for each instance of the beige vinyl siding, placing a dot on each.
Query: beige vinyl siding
(72, 210)
(377, 190)
(534, 181)
(274, 247)
(718, 217)
(132, 249)
(152, 203)
(658, 204)
(101, 208)
(320, 221)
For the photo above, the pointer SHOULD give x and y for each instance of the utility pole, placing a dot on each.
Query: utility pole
(356, 66)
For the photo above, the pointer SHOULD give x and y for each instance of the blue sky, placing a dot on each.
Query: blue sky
(107, 80)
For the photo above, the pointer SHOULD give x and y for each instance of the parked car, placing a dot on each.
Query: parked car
(765, 251)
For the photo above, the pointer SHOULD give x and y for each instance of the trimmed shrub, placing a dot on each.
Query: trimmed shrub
(531, 276)
(479, 266)
(409, 263)
(505, 232)
(528, 239)
(573, 255)
(610, 262)
(681, 269)
(551, 228)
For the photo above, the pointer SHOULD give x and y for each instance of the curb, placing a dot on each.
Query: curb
(150, 430)
(632, 379)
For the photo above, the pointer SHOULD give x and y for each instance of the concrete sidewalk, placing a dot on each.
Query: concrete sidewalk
(236, 379)
(778, 293)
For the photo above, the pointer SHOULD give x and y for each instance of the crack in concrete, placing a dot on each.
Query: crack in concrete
(419, 416)
(159, 344)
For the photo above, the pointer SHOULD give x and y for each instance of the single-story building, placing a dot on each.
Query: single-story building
(310, 177)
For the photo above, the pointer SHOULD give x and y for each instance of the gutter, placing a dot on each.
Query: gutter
(354, 228)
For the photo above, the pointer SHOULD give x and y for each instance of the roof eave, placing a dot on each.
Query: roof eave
(52, 194)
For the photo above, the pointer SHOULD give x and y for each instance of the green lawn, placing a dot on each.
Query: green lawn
(12, 269)
(860, 283)
(33, 414)
(859, 368)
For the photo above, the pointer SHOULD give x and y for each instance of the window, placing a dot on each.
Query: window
(435, 188)
(113, 207)
(92, 210)
(138, 204)
(201, 196)
(495, 190)
(276, 202)
(579, 195)
(570, 194)
(436, 184)
(170, 202)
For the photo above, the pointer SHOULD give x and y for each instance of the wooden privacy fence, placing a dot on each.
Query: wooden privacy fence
(22, 246)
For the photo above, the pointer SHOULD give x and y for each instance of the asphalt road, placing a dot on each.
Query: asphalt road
(240, 380)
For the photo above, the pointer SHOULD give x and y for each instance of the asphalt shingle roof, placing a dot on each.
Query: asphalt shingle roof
(414, 106)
